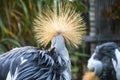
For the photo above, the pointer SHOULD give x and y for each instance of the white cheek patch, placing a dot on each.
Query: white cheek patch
(91, 62)
(95, 65)
(23, 60)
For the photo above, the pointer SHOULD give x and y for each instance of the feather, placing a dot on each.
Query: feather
(66, 21)
(104, 57)
(41, 67)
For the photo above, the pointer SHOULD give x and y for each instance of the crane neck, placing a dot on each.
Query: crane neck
(58, 43)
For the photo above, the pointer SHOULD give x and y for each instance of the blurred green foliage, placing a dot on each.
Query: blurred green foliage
(16, 17)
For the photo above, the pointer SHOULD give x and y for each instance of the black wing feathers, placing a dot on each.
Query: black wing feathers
(32, 64)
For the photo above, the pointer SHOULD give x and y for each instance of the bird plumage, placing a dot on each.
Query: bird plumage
(29, 63)
(104, 62)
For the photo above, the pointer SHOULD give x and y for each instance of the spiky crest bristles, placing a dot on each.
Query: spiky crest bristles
(65, 21)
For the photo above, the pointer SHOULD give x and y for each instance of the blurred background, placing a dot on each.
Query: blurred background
(102, 18)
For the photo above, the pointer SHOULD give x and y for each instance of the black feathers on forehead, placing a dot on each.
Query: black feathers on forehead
(106, 50)
(104, 53)
(108, 45)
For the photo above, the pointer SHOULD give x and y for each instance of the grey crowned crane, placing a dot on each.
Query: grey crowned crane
(105, 62)
(30, 63)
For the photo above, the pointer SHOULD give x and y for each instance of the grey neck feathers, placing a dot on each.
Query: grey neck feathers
(63, 58)
(58, 43)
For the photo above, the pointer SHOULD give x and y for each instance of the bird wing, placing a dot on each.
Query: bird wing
(29, 63)
(26, 63)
